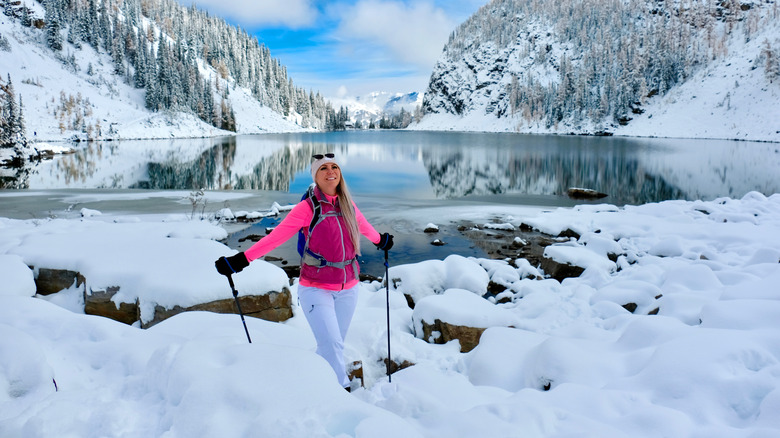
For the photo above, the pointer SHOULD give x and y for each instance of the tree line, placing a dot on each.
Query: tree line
(595, 60)
(162, 47)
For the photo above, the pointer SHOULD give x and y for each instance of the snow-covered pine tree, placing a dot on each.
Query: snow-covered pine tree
(12, 130)
(52, 27)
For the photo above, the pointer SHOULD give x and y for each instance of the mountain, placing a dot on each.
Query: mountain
(630, 67)
(363, 110)
(145, 69)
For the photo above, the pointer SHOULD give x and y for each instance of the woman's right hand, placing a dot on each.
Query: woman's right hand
(231, 265)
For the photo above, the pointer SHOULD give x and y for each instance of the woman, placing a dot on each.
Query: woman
(327, 290)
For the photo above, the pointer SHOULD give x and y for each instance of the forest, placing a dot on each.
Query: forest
(588, 60)
(161, 47)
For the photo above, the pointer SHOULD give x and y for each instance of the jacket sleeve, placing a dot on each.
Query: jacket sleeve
(299, 217)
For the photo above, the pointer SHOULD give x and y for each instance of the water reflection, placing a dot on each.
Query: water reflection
(546, 172)
(425, 165)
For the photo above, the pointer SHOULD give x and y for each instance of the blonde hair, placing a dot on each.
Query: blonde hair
(348, 213)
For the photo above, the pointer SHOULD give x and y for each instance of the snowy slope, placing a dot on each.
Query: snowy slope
(730, 97)
(45, 79)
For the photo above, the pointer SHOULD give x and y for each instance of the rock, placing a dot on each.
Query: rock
(458, 314)
(355, 372)
(272, 306)
(251, 238)
(50, 281)
(441, 332)
(98, 302)
(395, 366)
(560, 271)
(580, 193)
(569, 234)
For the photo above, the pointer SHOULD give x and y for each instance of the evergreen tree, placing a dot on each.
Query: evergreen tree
(11, 115)
(52, 26)
(771, 62)
(90, 25)
(12, 129)
(26, 20)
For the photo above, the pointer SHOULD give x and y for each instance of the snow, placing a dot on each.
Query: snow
(731, 98)
(147, 260)
(371, 107)
(460, 307)
(573, 363)
(112, 104)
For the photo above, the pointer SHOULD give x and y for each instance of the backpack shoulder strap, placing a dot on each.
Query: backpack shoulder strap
(316, 209)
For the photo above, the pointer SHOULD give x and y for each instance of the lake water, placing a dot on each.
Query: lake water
(396, 170)
(427, 165)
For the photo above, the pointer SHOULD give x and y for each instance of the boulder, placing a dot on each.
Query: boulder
(560, 271)
(440, 332)
(98, 302)
(458, 314)
(581, 193)
(50, 281)
(567, 260)
(271, 306)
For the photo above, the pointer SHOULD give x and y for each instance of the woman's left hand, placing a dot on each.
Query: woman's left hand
(385, 242)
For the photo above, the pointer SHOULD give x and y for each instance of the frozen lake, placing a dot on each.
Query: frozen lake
(401, 180)
(427, 165)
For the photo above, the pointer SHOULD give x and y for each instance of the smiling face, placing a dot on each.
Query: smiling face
(328, 177)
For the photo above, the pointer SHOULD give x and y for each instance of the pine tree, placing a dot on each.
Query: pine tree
(52, 27)
(771, 62)
(91, 21)
(12, 129)
(26, 20)
(5, 114)
(11, 115)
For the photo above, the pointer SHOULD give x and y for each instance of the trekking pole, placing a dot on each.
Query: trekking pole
(387, 295)
(235, 295)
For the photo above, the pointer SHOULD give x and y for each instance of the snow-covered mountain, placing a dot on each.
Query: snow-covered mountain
(630, 67)
(365, 109)
(92, 88)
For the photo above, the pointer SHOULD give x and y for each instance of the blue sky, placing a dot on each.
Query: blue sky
(350, 48)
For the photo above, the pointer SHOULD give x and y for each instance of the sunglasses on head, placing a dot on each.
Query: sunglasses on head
(321, 156)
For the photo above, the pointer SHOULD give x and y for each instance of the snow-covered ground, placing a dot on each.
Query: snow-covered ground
(53, 90)
(730, 99)
(707, 365)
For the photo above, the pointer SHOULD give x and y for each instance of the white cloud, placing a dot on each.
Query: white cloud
(255, 13)
(413, 34)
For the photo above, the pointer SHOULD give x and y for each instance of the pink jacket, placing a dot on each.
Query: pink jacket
(300, 217)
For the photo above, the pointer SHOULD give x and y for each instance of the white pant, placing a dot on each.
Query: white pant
(329, 314)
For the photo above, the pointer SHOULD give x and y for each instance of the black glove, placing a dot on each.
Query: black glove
(385, 242)
(231, 265)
